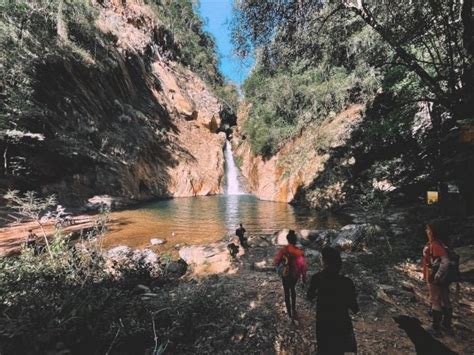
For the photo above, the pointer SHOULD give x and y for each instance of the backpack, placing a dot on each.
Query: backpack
(283, 268)
(452, 273)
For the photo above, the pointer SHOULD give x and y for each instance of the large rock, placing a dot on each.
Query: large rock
(209, 259)
(317, 239)
(176, 268)
(312, 256)
(308, 235)
(355, 236)
(157, 241)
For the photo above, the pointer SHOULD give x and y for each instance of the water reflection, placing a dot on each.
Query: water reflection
(207, 219)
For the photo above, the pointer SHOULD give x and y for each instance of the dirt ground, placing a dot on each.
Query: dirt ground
(245, 313)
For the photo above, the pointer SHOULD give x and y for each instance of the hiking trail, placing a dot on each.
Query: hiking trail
(244, 312)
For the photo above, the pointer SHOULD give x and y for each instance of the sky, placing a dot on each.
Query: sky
(217, 15)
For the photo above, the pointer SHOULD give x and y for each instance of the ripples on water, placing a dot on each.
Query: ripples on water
(207, 219)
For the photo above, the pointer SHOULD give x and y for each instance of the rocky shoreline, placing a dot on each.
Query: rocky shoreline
(207, 300)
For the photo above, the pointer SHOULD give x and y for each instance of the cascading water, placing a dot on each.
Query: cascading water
(232, 173)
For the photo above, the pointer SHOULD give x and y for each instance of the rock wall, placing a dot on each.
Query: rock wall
(299, 163)
(122, 118)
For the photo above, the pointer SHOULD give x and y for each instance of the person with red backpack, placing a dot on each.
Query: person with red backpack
(291, 266)
(440, 268)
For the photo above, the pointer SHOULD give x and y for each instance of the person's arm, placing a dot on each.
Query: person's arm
(440, 251)
(353, 305)
(313, 288)
(443, 268)
(279, 256)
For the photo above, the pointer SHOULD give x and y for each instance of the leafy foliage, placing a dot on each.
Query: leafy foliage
(304, 75)
(75, 299)
(411, 51)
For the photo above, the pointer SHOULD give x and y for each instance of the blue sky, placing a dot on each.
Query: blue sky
(217, 15)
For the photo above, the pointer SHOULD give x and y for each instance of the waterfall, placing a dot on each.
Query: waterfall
(232, 172)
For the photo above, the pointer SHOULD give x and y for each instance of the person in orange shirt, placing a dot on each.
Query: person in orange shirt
(435, 267)
(297, 268)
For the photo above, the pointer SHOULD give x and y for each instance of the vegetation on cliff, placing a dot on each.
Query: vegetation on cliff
(398, 58)
(75, 73)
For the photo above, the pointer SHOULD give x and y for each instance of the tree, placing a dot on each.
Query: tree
(434, 39)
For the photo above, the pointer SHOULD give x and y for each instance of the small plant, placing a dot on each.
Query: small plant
(30, 207)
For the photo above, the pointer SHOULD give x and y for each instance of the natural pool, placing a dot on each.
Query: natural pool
(201, 220)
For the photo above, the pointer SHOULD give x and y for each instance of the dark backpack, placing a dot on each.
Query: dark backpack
(283, 268)
(452, 274)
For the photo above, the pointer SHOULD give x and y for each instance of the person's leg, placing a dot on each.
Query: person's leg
(321, 339)
(293, 296)
(447, 308)
(286, 289)
(435, 298)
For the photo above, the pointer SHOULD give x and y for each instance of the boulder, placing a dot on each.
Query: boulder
(309, 235)
(355, 236)
(319, 238)
(260, 241)
(209, 259)
(157, 241)
(312, 256)
(176, 268)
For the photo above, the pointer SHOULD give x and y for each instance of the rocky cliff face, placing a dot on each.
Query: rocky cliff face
(121, 117)
(300, 162)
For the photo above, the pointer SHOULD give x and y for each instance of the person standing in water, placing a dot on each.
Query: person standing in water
(291, 266)
(240, 232)
(335, 296)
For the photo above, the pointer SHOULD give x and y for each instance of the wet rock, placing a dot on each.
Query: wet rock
(157, 241)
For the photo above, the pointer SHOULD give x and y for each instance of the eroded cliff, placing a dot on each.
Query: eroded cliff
(116, 113)
(284, 176)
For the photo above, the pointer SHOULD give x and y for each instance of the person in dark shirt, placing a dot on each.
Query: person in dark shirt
(335, 296)
(240, 232)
